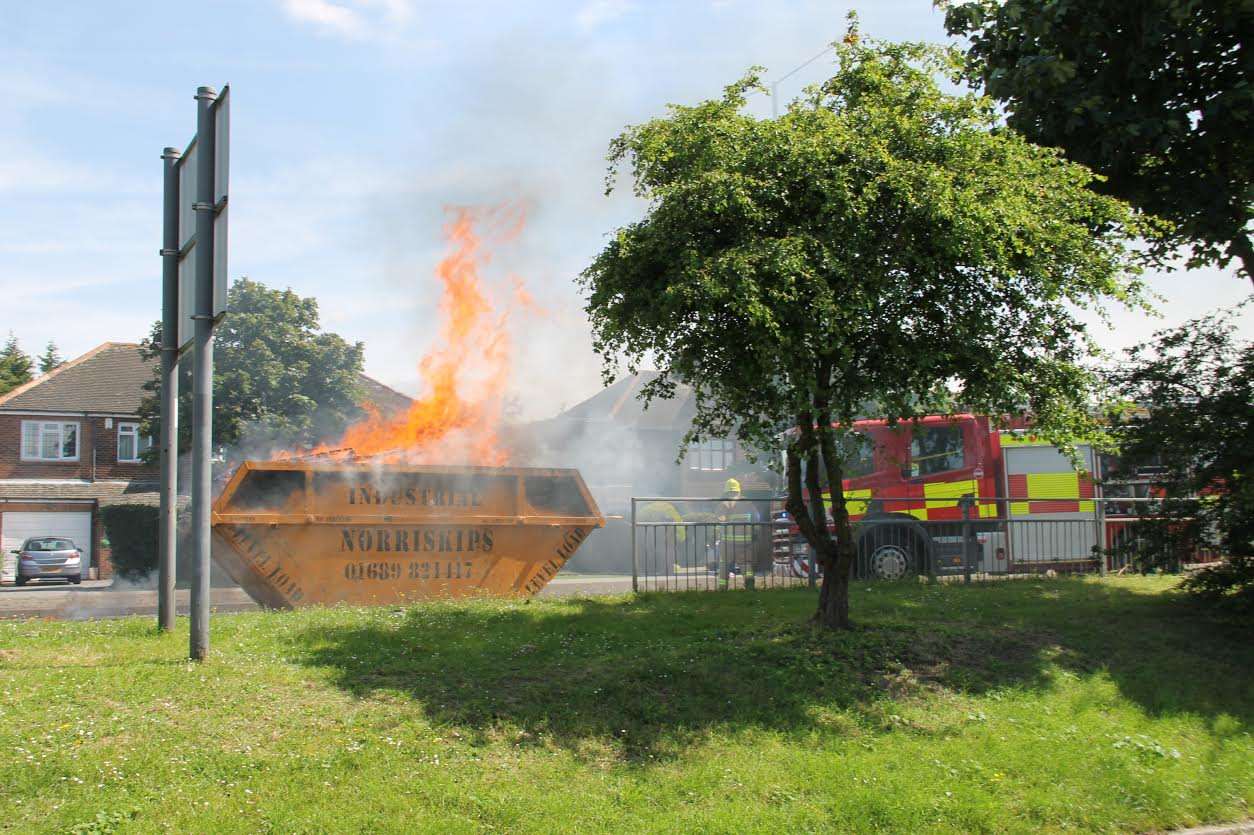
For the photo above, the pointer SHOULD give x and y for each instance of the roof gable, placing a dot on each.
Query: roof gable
(387, 400)
(620, 403)
(109, 378)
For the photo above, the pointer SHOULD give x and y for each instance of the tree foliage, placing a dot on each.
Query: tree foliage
(278, 380)
(15, 365)
(1193, 391)
(50, 359)
(883, 241)
(1156, 96)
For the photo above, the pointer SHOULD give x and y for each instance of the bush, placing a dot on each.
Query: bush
(1229, 585)
(133, 537)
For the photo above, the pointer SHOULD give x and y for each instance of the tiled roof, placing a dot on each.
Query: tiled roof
(386, 400)
(108, 492)
(108, 378)
(620, 404)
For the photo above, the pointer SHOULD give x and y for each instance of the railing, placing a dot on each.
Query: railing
(716, 543)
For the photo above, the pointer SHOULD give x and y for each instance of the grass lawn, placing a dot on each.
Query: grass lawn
(1021, 706)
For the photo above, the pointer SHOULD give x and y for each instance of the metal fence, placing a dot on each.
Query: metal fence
(712, 544)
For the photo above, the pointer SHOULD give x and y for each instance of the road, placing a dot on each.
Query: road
(101, 599)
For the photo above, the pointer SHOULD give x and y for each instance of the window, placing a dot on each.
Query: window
(857, 455)
(49, 441)
(131, 445)
(936, 449)
(857, 458)
(712, 455)
(50, 545)
(1115, 468)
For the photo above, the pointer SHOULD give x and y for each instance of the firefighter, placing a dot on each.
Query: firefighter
(736, 531)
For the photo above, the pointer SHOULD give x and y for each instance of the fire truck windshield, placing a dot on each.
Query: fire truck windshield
(857, 457)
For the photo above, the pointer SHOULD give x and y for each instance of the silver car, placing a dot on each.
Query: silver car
(49, 558)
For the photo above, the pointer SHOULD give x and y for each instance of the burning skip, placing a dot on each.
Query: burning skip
(300, 533)
(380, 516)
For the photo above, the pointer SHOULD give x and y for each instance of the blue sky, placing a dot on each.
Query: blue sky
(354, 123)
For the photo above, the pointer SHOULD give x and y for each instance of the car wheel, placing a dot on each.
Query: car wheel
(21, 581)
(76, 579)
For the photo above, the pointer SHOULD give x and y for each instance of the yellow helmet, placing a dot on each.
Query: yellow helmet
(731, 486)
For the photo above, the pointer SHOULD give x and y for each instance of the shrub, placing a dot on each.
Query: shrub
(1228, 585)
(132, 530)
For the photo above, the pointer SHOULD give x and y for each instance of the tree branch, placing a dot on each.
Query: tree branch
(1241, 247)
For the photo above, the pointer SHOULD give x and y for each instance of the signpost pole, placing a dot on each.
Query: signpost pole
(202, 372)
(635, 568)
(169, 393)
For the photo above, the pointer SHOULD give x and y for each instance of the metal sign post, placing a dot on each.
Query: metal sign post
(202, 373)
(194, 300)
(169, 393)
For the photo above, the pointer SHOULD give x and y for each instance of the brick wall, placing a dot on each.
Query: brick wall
(93, 437)
(102, 557)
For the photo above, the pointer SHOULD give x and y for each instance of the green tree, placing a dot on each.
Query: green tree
(15, 365)
(278, 381)
(50, 359)
(1156, 96)
(1193, 392)
(883, 241)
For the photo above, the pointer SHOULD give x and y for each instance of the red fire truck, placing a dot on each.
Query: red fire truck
(920, 490)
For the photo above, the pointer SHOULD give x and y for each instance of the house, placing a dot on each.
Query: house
(625, 450)
(70, 444)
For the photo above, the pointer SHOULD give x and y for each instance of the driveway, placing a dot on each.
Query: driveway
(102, 599)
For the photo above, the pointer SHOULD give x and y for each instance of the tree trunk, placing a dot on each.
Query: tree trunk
(833, 611)
(835, 555)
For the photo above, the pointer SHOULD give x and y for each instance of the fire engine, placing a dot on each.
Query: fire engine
(916, 489)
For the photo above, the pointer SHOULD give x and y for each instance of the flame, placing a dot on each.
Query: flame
(524, 299)
(457, 419)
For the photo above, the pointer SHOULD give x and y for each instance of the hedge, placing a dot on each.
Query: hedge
(133, 533)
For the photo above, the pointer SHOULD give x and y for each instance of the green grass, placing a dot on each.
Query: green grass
(1027, 706)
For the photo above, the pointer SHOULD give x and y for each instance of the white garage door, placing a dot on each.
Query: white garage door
(16, 528)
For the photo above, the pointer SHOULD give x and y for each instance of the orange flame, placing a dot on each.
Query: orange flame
(457, 420)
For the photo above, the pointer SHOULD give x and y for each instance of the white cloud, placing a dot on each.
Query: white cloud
(397, 11)
(341, 20)
(354, 19)
(602, 11)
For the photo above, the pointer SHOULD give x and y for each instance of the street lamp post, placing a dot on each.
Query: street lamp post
(775, 84)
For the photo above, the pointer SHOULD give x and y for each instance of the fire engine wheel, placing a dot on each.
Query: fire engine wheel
(889, 562)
